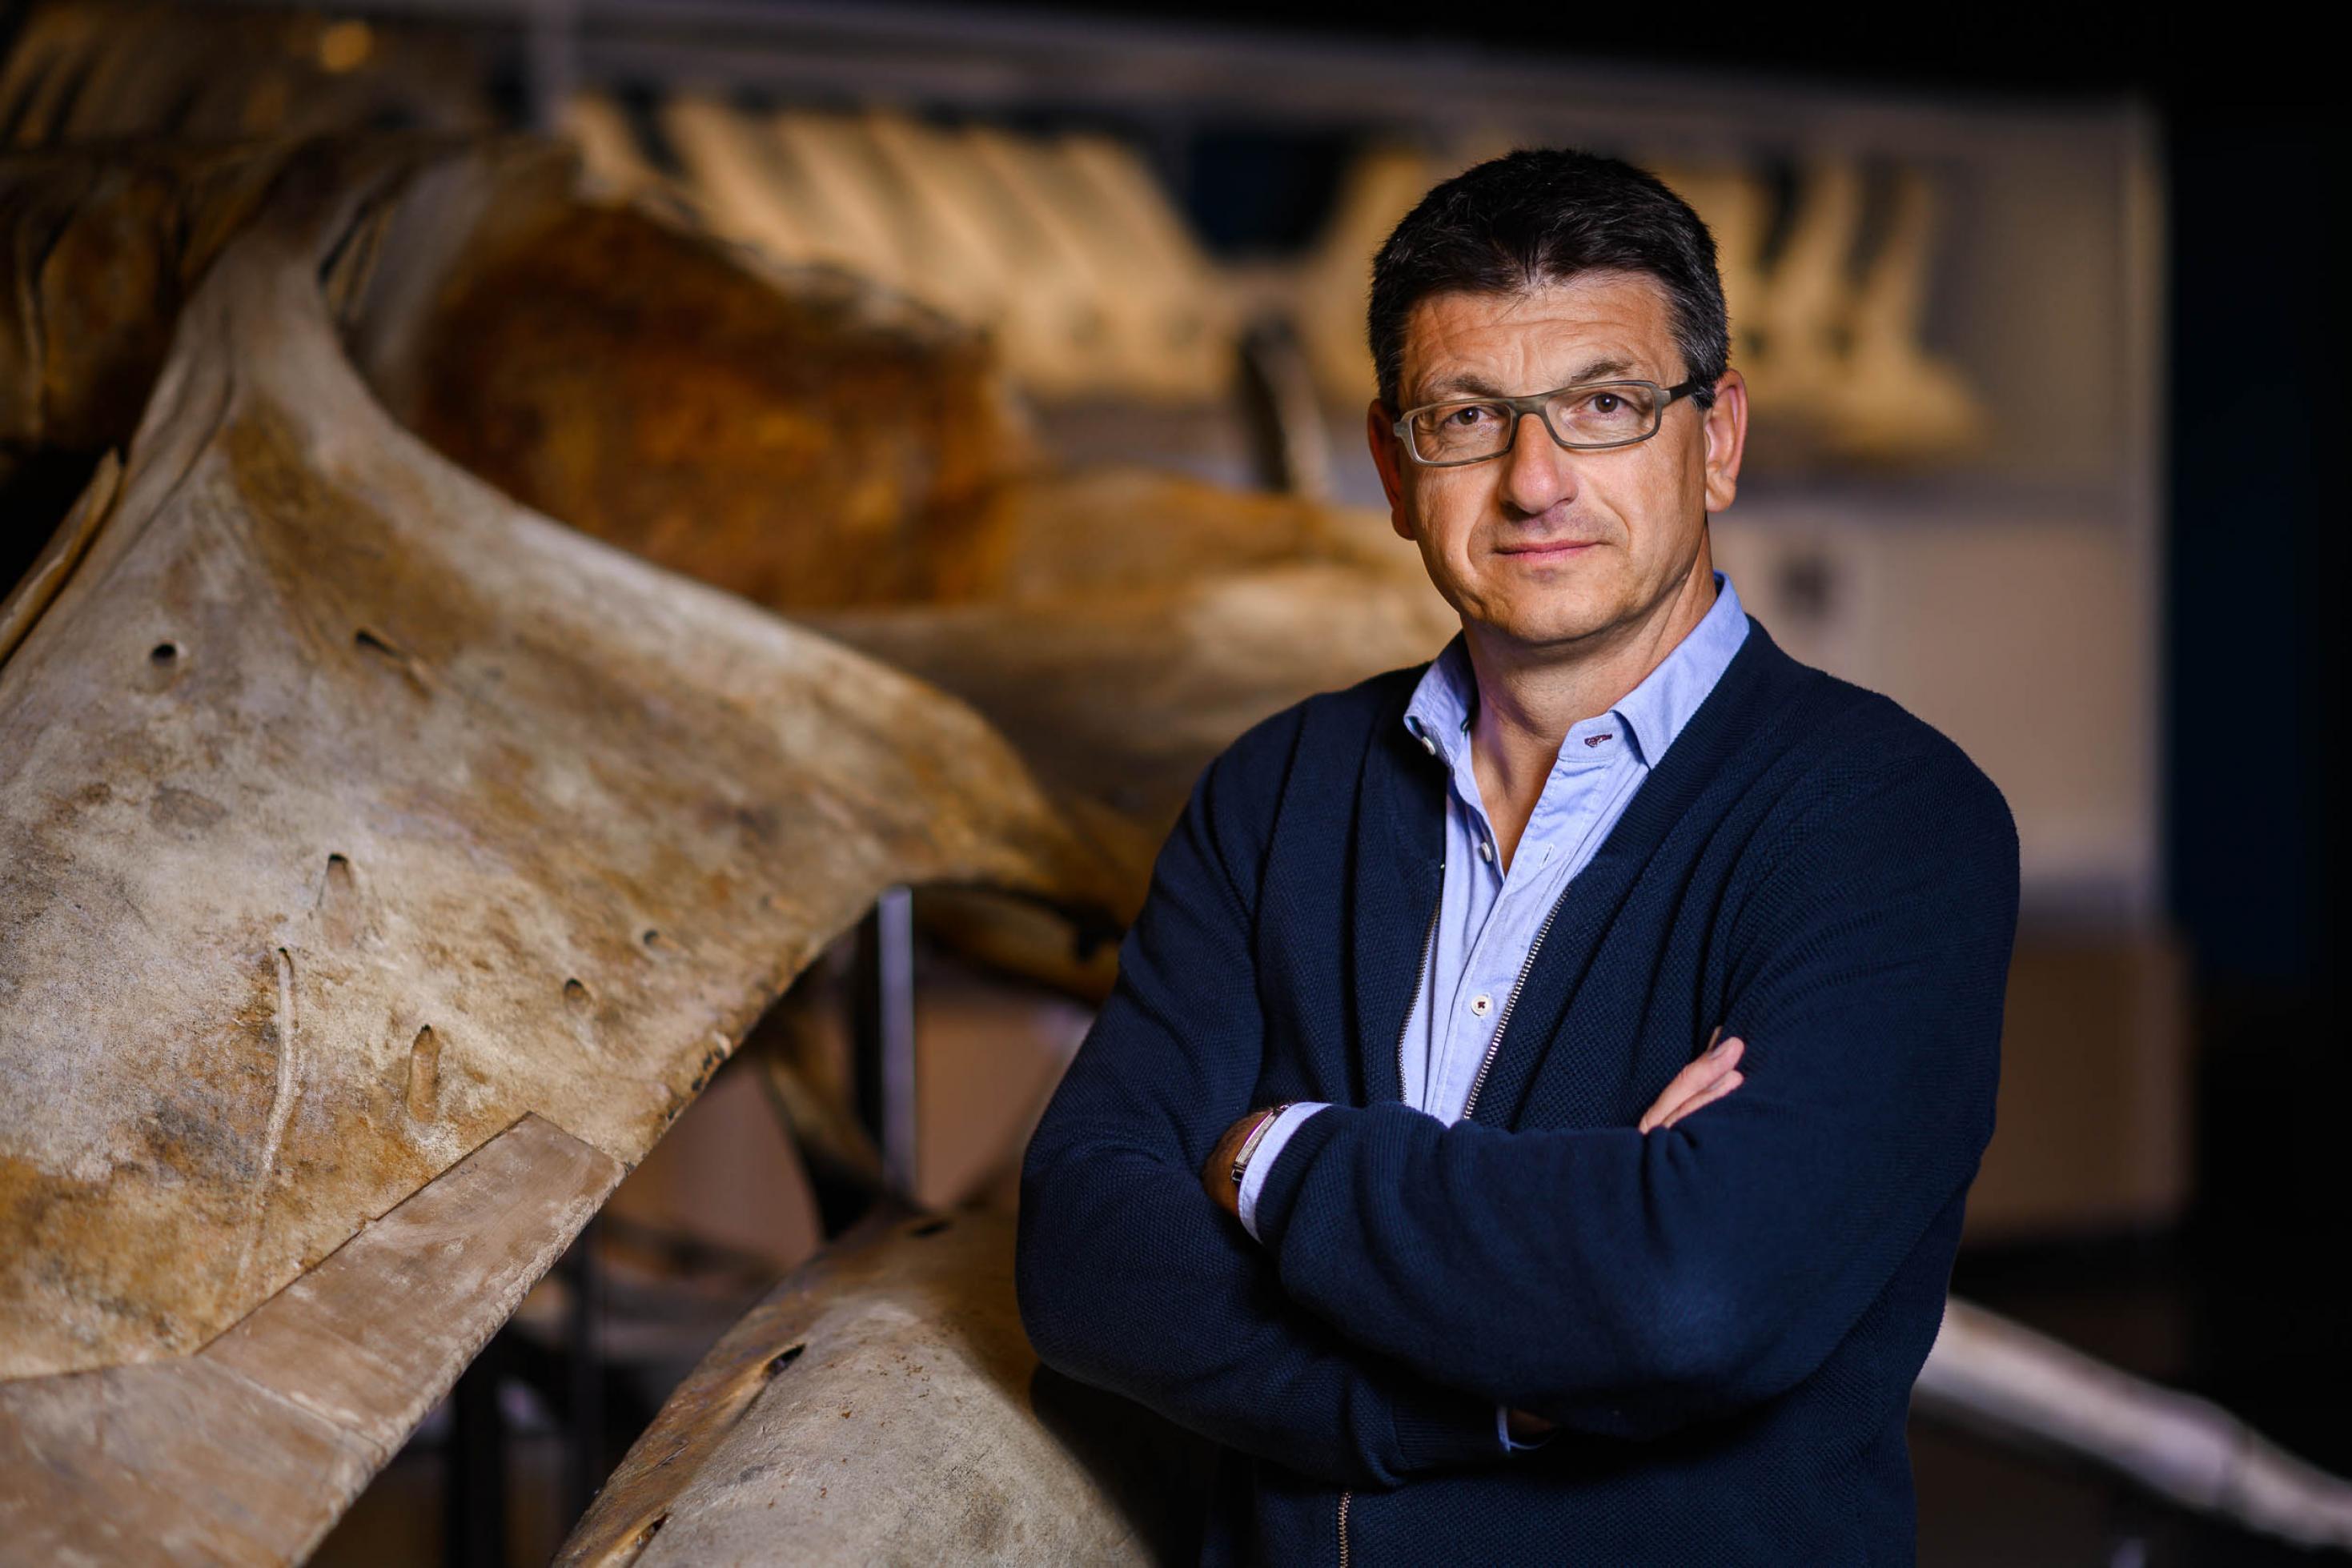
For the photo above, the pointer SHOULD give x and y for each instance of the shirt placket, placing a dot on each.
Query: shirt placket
(1454, 1018)
(1572, 800)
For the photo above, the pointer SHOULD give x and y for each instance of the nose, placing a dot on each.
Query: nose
(1538, 472)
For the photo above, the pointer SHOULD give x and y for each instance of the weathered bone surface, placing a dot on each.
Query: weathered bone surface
(349, 813)
(883, 1406)
(855, 463)
(829, 449)
(247, 1451)
(1231, 648)
(102, 247)
(798, 437)
(98, 252)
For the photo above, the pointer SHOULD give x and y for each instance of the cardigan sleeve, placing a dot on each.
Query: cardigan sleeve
(1128, 1276)
(1625, 1283)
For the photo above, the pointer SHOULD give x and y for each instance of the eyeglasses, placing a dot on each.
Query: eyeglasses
(1589, 417)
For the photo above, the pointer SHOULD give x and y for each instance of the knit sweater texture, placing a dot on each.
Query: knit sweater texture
(1725, 1317)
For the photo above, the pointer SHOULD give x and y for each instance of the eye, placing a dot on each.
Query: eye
(1468, 414)
(1607, 403)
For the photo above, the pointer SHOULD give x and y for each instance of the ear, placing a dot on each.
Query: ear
(1725, 430)
(1388, 457)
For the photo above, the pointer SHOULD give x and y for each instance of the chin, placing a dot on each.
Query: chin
(1538, 618)
(1548, 625)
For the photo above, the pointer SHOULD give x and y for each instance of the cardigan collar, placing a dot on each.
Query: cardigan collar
(1398, 865)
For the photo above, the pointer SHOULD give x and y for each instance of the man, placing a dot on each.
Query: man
(1517, 1267)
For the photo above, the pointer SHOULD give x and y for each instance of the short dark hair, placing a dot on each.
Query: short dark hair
(1542, 215)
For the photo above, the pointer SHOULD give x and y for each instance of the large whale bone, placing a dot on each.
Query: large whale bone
(354, 821)
(101, 249)
(1999, 1378)
(826, 447)
(882, 1404)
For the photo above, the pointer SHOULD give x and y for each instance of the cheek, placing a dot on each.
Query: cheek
(1655, 499)
(1446, 509)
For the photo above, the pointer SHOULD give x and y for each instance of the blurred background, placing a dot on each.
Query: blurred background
(2038, 323)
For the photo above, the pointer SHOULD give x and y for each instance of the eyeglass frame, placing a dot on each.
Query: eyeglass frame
(1533, 404)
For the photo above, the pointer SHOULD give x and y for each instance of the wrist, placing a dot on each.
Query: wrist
(1255, 1137)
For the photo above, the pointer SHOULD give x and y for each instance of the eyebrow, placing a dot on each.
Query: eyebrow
(1470, 384)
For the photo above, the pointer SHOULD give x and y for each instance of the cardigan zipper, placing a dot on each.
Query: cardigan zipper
(1492, 1045)
(1504, 1021)
(1428, 940)
(1420, 973)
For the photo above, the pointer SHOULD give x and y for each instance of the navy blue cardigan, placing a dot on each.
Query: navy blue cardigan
(1725, 1317)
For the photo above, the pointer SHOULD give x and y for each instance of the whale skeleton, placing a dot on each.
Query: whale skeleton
(387, 864)
(383, 868)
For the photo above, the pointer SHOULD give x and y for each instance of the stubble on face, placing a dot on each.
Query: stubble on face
(1542, 550)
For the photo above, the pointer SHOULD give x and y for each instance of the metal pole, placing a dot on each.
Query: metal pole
(883, 1027)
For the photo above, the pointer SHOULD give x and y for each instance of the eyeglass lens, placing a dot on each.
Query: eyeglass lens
(1600, 415)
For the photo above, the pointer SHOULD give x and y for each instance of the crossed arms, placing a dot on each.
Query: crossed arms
(1415, 1275)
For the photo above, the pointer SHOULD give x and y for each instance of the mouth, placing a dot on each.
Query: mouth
(1562, 550)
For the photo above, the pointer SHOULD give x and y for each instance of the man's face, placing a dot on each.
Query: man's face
(1544, 546)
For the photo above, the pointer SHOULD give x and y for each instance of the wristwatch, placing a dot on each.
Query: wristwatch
(1249, 1145)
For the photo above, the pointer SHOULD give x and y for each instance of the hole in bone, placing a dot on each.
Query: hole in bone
(575, 993)
(339, 900)
(784, 1358)
(424, 1074)
(163, 652)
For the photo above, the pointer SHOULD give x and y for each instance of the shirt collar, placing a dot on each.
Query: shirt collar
(1649, 716)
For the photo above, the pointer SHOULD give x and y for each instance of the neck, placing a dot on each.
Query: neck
(1529, 697)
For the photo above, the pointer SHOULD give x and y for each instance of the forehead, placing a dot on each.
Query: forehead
(1464, 344)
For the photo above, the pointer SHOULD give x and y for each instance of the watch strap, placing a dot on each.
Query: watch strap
(1250, 1144)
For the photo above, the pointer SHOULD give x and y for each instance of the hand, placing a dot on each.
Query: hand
(1708, 1079)
(1217, 1175)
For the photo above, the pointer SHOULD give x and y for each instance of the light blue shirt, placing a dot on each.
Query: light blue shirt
(1488, 919)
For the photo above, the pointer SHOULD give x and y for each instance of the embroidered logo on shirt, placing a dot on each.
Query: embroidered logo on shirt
(1597, 739)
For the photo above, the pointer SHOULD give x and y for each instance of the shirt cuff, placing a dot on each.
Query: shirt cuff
(1262, 1159)
(1503, 1430)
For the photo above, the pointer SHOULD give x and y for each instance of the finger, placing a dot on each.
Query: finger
(1695, 1079)
(1728, 1082)
(1702, 1071)
(1700, 1102)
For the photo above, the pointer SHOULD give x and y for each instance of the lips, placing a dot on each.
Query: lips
(1560, 551)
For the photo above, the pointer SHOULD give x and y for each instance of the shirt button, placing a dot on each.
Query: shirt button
(1481, 1005)
(1429, 745)
(1485, 849)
